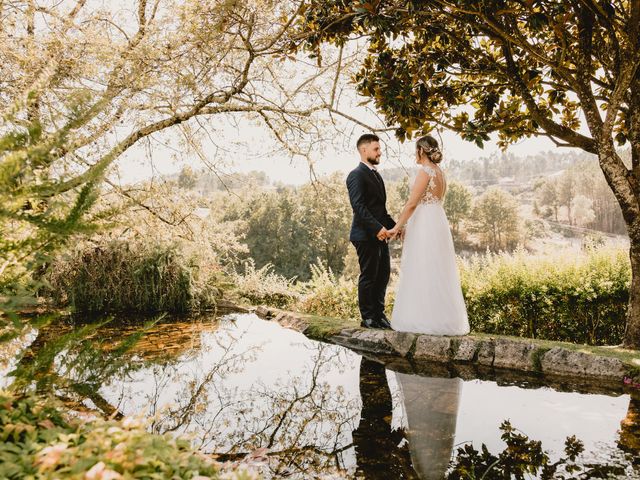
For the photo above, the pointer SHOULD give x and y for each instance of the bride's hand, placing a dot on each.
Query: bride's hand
(393, 233)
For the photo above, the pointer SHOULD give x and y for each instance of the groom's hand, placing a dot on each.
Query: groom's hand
(383, 234)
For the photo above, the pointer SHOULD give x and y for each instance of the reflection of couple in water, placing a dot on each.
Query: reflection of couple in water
(422, 446)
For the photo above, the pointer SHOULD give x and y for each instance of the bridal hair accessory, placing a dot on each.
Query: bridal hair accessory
(434, 154)
(429, 146)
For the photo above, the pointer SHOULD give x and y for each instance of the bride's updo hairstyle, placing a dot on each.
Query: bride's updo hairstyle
(429, 146)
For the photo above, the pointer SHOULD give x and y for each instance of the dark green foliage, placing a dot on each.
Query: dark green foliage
(510, 64)
(581, 300)
(38, 441)
(291, 228)
(121, 276)
(523, 458)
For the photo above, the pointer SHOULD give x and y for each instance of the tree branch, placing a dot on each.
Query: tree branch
(551, 127)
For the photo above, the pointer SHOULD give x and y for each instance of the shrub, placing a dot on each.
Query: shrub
(134, 276)
(40, 442)
(263, 286)
(578, 298)
(326, 295)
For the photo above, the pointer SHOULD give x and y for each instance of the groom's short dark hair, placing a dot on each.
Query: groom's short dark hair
(367, 138)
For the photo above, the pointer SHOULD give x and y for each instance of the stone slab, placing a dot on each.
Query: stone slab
(514, 354)
(560, 361)
(433, 349)
(466, 351)
(486, 352)
(401, 342)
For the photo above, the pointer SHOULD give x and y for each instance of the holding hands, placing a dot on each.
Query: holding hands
(386, 235)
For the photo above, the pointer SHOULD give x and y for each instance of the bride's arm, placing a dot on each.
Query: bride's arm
(417, 191)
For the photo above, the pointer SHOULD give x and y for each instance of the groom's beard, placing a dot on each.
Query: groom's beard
(374, 160)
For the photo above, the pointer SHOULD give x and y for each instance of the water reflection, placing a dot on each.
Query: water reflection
(629, 440)
(382, 451)
(240, 386)
(431, 413)
(252, 387)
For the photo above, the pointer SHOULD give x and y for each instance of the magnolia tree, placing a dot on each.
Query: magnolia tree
(83, 82)
(567, 70)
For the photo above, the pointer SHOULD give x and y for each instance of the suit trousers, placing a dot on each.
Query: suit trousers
(375, 268)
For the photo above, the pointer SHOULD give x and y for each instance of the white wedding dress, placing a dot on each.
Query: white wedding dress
(428, 295)
(430, 418)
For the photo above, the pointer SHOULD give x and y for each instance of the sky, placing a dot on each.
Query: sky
(234, 154)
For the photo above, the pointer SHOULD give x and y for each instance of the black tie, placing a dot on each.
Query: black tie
(378, 177)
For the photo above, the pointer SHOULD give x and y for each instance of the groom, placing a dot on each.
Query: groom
(371, 223)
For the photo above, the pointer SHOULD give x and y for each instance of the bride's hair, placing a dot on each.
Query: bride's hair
(429, 146)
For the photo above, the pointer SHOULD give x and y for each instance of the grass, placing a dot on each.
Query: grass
(322, 328)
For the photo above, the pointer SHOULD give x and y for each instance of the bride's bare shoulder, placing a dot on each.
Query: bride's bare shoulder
(429, 170)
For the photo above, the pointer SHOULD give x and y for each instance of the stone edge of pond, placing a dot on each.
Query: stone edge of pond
(521, 354)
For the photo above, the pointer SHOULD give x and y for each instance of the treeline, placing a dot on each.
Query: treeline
(206, 181)
(579, 196)
(293, 227)
(489, 170)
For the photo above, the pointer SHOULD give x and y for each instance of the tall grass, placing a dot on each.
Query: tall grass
(134, 276)
(327, 295)
(262, 286)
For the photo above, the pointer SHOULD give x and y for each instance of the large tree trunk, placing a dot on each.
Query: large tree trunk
(627, 193)
(632, 333)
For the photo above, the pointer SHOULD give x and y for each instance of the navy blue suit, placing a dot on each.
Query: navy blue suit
(368, 197)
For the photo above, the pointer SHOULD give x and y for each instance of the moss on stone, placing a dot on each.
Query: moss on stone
(322, 328)
(536, 357)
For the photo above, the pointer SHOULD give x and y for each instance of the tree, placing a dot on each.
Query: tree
(519, 69)
(495, 218)
(293, 228)
(548, 195)
(567, 192)
(82, 84)
(583, 213)
(326, 214)
(187, 179)
(457, 204)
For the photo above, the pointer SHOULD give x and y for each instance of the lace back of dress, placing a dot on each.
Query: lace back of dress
(435, 180)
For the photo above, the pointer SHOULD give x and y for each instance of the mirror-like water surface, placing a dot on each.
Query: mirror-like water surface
(307, 409)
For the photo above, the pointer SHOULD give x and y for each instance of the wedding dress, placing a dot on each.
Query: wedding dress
(430, 419)
(428, 295)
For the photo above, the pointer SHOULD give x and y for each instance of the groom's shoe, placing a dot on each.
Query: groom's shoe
(383, 323)
(368, 323)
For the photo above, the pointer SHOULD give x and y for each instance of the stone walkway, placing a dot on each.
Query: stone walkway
(520, 354)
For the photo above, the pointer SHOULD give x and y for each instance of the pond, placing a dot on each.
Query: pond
(240, 385)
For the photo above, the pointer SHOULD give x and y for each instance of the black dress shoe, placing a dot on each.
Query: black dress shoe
(368, 323)
(383, 323)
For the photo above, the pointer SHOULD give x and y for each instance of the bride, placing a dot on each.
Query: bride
(428, 296)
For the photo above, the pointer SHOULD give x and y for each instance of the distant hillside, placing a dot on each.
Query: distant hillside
(489, 170)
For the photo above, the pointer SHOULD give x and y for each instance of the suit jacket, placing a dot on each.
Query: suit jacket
(368, 197)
